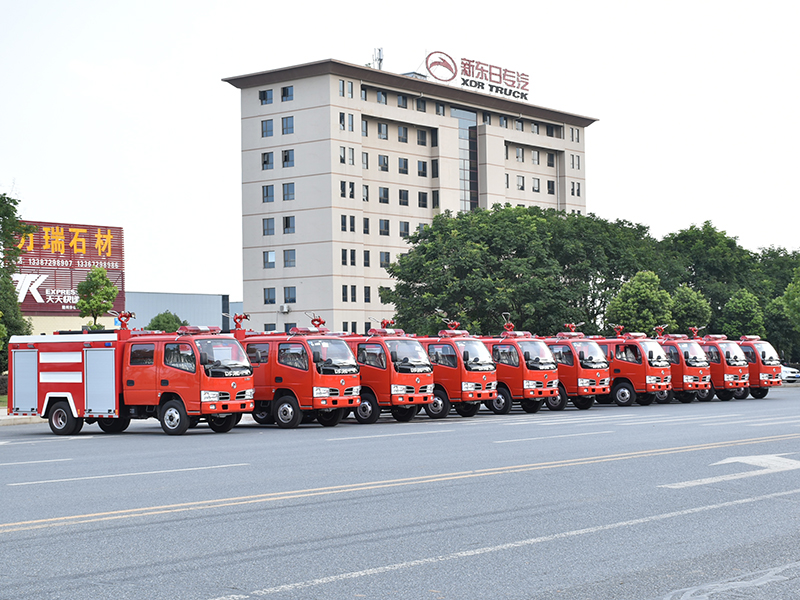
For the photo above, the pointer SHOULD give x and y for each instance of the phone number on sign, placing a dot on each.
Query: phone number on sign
(49, 262)
(88, 264)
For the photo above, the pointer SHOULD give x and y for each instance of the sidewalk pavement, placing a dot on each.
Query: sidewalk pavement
(12, 420)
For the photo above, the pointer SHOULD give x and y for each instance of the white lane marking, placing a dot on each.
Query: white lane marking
(34, 462)
(770, 423)
(749, 580)
(551, 437)
(501, 547)
(766, 420)
(385, 435)
(769, 463)
(128, 474)
(658, 420)
(49, 440)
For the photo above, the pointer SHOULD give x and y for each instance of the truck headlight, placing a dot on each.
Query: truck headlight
(321, 392)
(729, 377)
(763, 376)
(208, 396)
(584, 382)
(398, 389)
(651, 379)
(688, 379)
(528, 385)
(249, 394)
(467, 386)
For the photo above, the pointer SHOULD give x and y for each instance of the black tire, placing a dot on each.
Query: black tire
(263, 415)
(725, 395)
(531, 406)
(61, 420)
(559, 401)
(173, 418)
(706, 395)
(309, 416)
(685, 397)
(500, 404)
(330, 418)
(759, 392)
(664, 396)
(440, 407)
(623, 394)
(194, 422)
(741, 393)
(467, 409)
(604, 399)
(237, 417)
(369, 410)
(583, 402)
(645, 399)
(287, 413)
(114, 425)
(404, 414)
(221, 424)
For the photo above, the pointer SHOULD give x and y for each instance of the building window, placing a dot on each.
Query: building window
(269, 259)
(365, 193)
(422, 105)
(353, 223)
(385, 259)
(519, 125)
(422, 168)
(402, 101)
(381, 97)
(342, 154)
(440, 109)
(352, 189)
(422, 199)
(404, 229)
(435, 199)
(402, 134)
(344, 222)
(383, 131)
(343, 189)
(288, 158)
(535, 157)
(288, 191)
(288, 224)
(349, 89)
(353, 299)
(383, 226)
(535, 184)
(289, 258)
(341, 88)
(520, 154)
(287, 125)
(422, 137)
(267, 193)
(267, 162)
(503, 122)
(402, 166)
(351, 156)
(289, 295)
(551, 187)
(487, 118)
(287, 93)
(364, 127)
(367, 294)
(344, 299)
(269, 326)
(551, 131)
(365, 160)
(435, 167)
(352, 258)
(268, 226)
(434, 138)
(366, 258)
(534, 127)
(287, 327)
(341, 121)
(507, 185)
(350, 122)
(266, 128)
(520, 182)
(383, 162)
(383, 195)
(364, 94)
(265, 96)
(366, 225)
(403, 197)
(578, 190)
(551, 159)
(269, 295)
(344, 257)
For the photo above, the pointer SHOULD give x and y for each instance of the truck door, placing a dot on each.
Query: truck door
(25, 389)
(139, 374)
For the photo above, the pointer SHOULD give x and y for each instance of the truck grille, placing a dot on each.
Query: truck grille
(553, 383)
(348, 392)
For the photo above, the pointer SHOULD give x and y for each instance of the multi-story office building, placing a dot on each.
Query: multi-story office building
(340, 163)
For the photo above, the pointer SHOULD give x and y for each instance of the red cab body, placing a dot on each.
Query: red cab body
(639, 368)
(691, 372)
(582, 370)
(765, 366)
(729, 368)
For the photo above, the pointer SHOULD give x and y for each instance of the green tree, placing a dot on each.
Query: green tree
(773, 272)
(96, 295)
(641, 304)
(781, 331)
(165, 321)
(791, 299)
(742, 315)
(3, 335)
(689, 309)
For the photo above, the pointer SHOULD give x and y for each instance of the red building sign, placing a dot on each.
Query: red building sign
(478, 75)
(58, 256)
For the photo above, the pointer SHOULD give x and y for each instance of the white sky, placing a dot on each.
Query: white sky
(114, 114)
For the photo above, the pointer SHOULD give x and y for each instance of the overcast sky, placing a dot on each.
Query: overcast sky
(114, 114)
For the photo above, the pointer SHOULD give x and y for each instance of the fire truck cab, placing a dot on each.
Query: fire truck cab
(582, 370)
(765, 366)
(638, 366)
(111, 377)
(463, 372)
(689, 366)
(396, 374)
(729, 367)
(526, 371)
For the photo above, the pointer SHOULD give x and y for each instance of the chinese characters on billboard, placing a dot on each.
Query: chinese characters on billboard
(58, 256)
(479, 75)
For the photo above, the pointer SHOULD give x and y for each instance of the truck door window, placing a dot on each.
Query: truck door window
(442, 354)
(293, 355)
(629, 353)
(673, 356)
(179, 356)
(253, 351)
(749, 354)
(563, 355)
(372, 355)
(713, 354)
(506, 355)
(142, 354)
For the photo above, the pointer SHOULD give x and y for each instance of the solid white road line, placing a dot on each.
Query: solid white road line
(34, 462)
(128, 474)
(387, 435)
(551, 437)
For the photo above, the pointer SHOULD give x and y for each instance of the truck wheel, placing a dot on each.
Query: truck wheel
(664, 396)
(309, 416)
(741, 393)
(759, 392)
(222, 424)
(368, 411)
(531, 406)
(645, 399)
(263, 416)
(404, 414)
(623, 394)
(500, 404)
(440, 407)
(558, 402)
(685, 397)
(174, 420)
(468, 409)
(61, 420)
(330, 418)
(725, 395)
(706, 395)
(194, 422)
(287, 413)
(583, 402)
(604, 399)
(114, 425)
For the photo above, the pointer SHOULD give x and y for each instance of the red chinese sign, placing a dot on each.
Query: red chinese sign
(58, 256)
(478, 75)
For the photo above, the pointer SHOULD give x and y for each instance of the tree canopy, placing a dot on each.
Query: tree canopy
(96, 295)
(165, 321)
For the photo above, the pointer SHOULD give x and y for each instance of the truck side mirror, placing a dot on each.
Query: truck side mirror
(580, 355)
(650, 355)
(686, 355)
(203, 358)
(465, 356)
(393, 355)
(317, 357)
(527, 356)
(256, 358)
(727, 354)
(763, 354)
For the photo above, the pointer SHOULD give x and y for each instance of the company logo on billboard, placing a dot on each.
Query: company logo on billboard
(478, 75)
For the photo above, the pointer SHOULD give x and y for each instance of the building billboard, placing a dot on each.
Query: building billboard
(58, 256)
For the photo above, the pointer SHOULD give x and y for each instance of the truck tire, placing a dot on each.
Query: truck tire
(623, 394)
(741, 393)
(287, 412)
(173, 418)
(706, 395)
(604, 399)
(531, 406)
(114, 425)
(330, 418)
(467, 409)
(368, 411)
(500, 404)
(222, 424)
(558, 402)
(664, 396)
(61, 420)
(404, 414)
(583, 402)
(440, 407)
(758, 393)
(645, 399)
(685, 397)
(725, 395)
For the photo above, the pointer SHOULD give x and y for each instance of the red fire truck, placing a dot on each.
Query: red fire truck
(526, 371)
(578, 380)
(111, 377)
(301, 375)
(765, 366)
(463, 372)
(638, 366)
(396, 374)
(689, 365)
(729, 368)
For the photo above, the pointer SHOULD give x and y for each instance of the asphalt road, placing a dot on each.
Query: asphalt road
(645, 502)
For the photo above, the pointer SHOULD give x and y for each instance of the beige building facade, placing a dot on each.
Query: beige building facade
(340, 163)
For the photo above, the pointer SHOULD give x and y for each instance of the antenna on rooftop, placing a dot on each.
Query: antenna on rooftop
(377, 59)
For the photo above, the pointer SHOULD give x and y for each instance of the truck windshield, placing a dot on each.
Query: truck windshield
(409, 356)
(696, 356)
(767, 353)
(223, 357)
(332, 357)
(537, 355)
(477, 357)
(733, 353)
(659, 358)
(593, 357)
